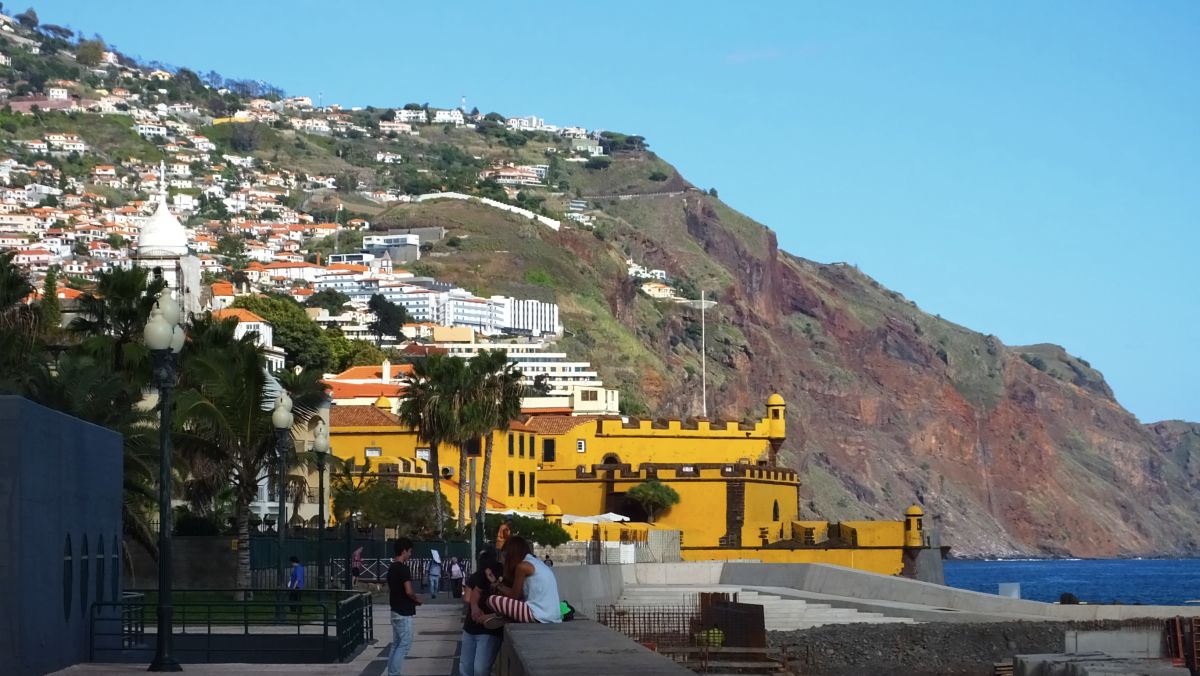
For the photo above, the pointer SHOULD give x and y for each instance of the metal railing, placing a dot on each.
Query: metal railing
(213, 626)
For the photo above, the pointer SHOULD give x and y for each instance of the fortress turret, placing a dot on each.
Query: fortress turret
(776, 425)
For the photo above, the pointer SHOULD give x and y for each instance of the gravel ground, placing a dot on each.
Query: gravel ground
(915, 649)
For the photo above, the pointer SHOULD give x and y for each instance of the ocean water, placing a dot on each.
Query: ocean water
(1144, 581)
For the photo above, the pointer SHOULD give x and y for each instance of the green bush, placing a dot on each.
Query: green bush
(537, 531)
(539, 277)
(1035, 361)
(597, 163)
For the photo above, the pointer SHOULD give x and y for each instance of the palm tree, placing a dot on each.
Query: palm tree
(19, 349)
(113, 315)
(501, 392)
(436, 392)
(223, 433)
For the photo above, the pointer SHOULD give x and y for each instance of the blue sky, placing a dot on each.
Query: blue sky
(1026, 169)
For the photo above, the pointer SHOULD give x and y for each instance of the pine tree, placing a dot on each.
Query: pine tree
(50, 307)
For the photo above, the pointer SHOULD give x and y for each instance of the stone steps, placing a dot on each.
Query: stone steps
(779, 614)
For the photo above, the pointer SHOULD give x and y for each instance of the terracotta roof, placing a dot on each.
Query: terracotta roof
(493, 503)
(555, 425)
(222, 288)
(547, 410)
(239, 314)
(372, 372)
(518, 426)
(360, 416)
(419, 350)
(356, 390)
(349, 267)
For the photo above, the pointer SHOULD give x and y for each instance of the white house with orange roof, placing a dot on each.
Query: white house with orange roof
(221, 295)
(248, 322)
(301, 270)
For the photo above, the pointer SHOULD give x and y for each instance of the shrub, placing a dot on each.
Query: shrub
(539, 277)
(597, 163)
(1035, 361)
(537, 531)
(658, 176)
(1068, 599)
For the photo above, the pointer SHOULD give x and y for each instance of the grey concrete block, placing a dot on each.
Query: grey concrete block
(60, 534)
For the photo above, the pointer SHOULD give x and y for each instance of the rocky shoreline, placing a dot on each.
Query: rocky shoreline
(920, 649)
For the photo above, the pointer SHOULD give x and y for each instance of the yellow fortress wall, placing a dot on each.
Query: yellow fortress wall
(735, 502)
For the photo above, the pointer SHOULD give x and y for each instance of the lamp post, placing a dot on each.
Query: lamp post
(349, 581)
(321, 449)
(282, 419)
(703, 304)
(164, 336)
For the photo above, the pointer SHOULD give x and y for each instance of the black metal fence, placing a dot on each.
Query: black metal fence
(712, 619)
(229, 625)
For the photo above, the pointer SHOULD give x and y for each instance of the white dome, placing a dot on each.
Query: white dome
(163, 234)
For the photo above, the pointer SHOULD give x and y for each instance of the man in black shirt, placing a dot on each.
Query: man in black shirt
(404, 605)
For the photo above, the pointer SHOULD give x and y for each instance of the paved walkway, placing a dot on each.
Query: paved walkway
(434, 653)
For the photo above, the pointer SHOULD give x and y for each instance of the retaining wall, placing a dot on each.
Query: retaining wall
(578, 647)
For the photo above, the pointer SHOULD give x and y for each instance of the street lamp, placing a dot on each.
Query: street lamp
(321, 449)
(164, 336)
(282, 419)
(703, 305)
(350, 546)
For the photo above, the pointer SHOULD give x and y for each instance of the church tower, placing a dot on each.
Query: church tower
(162, 248)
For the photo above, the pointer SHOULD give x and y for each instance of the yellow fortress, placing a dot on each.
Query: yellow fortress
(735, 501)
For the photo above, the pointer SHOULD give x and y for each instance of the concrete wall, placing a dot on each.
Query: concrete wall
(199, 562)
(579, 647)
(586, 587)
(1136, 641)
(60, 534)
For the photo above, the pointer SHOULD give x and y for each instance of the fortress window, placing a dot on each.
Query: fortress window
(547, 450)
(581, 446)
(510, 443)
(775, 511)
(532, 484)
(510, 484)
(521, 444)
(521, 482)
(775, 413)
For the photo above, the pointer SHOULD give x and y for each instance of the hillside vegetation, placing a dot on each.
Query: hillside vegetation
(1012, 450)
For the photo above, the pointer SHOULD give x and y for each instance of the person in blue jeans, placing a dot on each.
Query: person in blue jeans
(295, 583)
(404, 604)
(435, 574)
(480, 645)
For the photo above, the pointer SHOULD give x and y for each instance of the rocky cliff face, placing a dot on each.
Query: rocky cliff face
(1014, 450)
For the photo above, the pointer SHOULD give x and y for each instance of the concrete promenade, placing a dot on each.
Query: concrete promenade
(434, 652)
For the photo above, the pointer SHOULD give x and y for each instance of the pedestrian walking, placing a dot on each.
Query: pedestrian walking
(456, 577)
(295, 583)
(404, 604)
(356, 566)
(435, 574)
